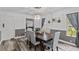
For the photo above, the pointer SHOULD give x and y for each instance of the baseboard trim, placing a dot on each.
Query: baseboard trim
(65, 42)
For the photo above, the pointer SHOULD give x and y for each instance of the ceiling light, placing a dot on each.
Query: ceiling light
(37, 7)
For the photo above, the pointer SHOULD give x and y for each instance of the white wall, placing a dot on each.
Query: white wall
(62, 15)
(12, 21)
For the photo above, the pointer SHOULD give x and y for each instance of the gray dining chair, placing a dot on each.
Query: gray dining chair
(33, 39)
(53, 44)
(28, 38)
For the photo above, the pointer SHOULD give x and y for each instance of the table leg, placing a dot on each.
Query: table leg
(42, 47)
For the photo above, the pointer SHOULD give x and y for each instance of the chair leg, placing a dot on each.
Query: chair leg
(27, 42)
(57, 48)
(35, 48)
(30, 46)
(42, 47)
(52, 49)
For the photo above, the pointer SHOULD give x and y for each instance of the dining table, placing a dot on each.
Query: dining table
(40, 37)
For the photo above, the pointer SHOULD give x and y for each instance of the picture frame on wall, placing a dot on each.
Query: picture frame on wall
(59, 21)
(53, 20)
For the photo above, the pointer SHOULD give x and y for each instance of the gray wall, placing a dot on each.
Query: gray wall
(19, 32)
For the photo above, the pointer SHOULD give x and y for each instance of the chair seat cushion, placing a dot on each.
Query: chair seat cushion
(36, 43)
(49, 44)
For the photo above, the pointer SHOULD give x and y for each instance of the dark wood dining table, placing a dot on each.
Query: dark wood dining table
(39, 37)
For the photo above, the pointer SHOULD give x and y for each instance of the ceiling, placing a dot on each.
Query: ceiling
(31, 10)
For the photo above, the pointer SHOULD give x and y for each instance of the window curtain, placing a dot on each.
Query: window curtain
(73, 18)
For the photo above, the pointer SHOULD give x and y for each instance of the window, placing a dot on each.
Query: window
(71, 31)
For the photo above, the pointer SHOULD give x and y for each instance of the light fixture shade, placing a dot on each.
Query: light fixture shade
(37, 16)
